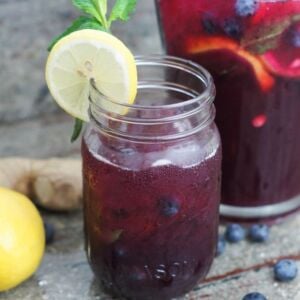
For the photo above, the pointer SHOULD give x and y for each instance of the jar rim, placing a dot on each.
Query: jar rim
(182, 118)
(185, 65)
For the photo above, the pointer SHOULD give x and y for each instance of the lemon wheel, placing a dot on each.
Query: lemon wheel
(90, 54)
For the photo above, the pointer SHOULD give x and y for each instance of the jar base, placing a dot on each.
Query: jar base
(249, 213)
(113, 291)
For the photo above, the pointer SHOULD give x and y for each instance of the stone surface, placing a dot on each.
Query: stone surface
(44, 136)
(244, 267)
(28, 115)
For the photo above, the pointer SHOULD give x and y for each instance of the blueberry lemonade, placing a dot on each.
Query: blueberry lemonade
(151, 157)
(252, 49)
(152, 184)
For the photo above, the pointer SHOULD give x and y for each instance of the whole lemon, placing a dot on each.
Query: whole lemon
(22, 239)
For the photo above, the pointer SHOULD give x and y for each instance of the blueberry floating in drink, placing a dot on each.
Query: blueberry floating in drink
(168, 206)
(246, 8)
(232, 28)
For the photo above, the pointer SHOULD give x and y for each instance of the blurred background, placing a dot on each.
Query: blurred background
(31, 124)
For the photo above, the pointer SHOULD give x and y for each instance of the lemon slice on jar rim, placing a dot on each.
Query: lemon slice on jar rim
(87, 55)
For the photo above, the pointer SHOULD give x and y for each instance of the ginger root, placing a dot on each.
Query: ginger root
(55, 184)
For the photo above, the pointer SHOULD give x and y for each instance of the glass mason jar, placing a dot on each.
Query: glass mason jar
(252, 49)
(152, 182)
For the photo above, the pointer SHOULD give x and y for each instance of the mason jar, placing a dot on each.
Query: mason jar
(252, 49)
(152, 182)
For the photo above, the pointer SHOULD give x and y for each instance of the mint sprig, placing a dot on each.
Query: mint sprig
(95, 8)
(78, 125)
(83, 22)
(95, 17)
(122, 10)
(268, 36)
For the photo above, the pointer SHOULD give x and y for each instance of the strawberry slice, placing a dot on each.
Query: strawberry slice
(206, 44)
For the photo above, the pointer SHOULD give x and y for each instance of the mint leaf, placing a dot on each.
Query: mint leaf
(87, 6)
(78, 24)
(267, 37)
(101, 6)
(96, 18)
(77, 129)
(90, 8)
(122, 10)
(264, 39)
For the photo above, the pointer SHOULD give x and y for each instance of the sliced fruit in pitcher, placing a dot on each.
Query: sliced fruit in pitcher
(285, 59)
(206, 44)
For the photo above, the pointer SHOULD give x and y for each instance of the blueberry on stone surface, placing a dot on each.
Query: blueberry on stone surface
(254, 296)
(49, 232)
(259, 233)
(232, 28)
(285, 270)
(246, 8)
(234, 233)
(221, 245)
(169, 206)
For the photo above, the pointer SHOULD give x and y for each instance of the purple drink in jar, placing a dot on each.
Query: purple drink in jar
(152, 183)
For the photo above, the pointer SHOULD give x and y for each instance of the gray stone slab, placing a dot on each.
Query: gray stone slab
(31, 124)
(46, 136)
(245, 267)
(27, 27)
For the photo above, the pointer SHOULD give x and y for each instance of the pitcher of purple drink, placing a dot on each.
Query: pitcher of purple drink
(252, 49)
(152, 183)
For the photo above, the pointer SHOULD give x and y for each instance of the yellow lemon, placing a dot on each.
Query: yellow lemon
(22, 239)
(91, 55)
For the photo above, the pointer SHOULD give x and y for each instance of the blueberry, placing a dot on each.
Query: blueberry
(246, 8)
(119, 251)
(221, 245)
(127, 151)
(254, 296)
(209, 25)
(169, 206)
(232, 28)
(120, 213)
(259, 233)
(49, 231)
(296, 39)
(285, 270)
(234, 233)
(137, 275)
